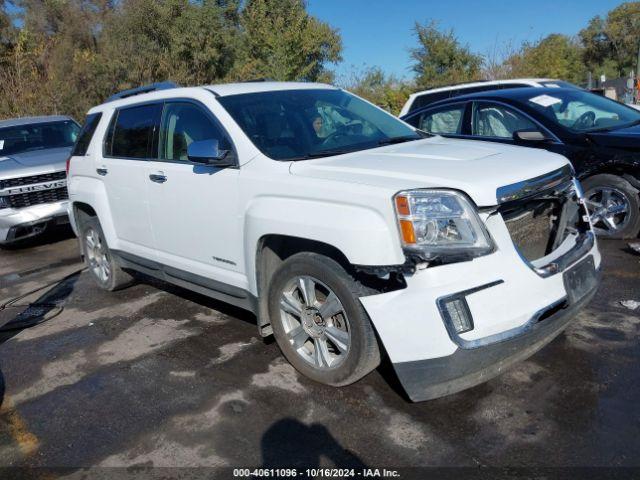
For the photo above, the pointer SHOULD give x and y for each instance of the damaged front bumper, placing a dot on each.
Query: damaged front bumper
(22, 223)
(515, 311)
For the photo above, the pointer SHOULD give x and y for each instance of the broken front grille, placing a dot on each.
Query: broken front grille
(30, 180)
(22, 200)
(539, 224)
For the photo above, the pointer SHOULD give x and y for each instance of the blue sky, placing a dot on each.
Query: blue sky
(378, 32)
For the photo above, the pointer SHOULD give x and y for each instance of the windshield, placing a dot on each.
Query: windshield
(37, 136)
(302, 124)
(581, 111)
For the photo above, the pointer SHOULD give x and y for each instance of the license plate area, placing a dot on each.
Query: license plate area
(580, 279)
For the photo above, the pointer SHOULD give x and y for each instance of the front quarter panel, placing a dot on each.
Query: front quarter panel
(365, 232)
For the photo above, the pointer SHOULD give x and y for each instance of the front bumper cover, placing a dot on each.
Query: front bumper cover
(465, 368)
(18, 224)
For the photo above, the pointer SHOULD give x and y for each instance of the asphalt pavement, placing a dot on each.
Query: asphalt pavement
(158, 376)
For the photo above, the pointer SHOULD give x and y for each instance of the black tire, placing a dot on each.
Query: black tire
(622, 189)
(363, 354)
(116, 278)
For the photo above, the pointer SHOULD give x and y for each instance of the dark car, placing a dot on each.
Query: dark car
(599, 136)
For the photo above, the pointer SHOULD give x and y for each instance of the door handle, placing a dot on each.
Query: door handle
(158, 177)
(102, 171)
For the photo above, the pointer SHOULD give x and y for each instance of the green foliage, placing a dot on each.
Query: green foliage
(555, 56)
(611, 44)
(281, 41)
(440, 60)
(69, 55)
(385, 91)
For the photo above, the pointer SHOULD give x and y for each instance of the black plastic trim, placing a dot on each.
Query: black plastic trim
(205, 286)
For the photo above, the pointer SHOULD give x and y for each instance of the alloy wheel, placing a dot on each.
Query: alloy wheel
(609, 210)
(97, 255)
(315, 322)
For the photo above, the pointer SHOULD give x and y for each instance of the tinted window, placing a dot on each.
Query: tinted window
(498, 121)
(428, 99)
(88, 129)
(443, 121)
(133, 131)
(37, 136)
(184, 123)
(301, 124)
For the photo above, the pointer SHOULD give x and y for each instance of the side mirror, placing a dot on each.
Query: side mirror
(206, 152)
(529, 136)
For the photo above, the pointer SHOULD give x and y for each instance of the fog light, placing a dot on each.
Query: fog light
(458, 314)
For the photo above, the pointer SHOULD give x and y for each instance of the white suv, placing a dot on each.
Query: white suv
(427, 97)
(347, 232)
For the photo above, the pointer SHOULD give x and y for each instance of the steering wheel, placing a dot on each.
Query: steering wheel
(586, 120)
(331, 138)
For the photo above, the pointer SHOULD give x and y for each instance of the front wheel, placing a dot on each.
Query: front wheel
(614, 206)
(318, 320)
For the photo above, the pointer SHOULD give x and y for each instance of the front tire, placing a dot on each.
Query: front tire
(318, 321)
(614, 206)
(101, 264)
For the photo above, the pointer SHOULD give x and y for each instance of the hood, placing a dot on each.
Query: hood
(476, 168)
(34, 162)
(624, 138)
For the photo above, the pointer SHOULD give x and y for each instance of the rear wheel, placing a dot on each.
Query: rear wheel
(614, 206)
(100, 262)
(318, 320)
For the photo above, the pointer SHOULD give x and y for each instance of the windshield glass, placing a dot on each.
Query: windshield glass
(301, 124)
(582, 111)
(37, 136)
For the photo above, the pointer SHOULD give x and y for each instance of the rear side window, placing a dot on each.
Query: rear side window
(86, 134)
(132, 131)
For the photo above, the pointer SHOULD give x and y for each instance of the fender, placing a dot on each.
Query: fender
(362, 234)
(83, 189)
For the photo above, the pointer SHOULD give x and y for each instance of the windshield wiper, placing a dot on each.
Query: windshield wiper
(402, 139)
(320, 154)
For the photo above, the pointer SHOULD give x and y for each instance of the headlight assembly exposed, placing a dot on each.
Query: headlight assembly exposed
(439, 224)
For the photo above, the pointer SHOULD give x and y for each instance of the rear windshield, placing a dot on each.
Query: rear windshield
(38, 136)
(88, 129)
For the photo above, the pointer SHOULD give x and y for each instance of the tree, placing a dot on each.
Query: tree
(555, 56)
(386, 91)
(611, 44)
(440, 59)
(281, 41)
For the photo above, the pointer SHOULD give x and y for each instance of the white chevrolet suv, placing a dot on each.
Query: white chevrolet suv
(350, 235)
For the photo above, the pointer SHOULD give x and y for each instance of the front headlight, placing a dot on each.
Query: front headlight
(440, 223)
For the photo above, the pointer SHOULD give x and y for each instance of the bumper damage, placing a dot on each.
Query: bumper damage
(20, 224)
(465, 368)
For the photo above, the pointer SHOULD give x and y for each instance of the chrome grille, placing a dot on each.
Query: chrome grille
(30, 180)
(22, 200)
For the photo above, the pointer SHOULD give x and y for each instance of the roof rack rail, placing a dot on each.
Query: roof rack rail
(144, 89)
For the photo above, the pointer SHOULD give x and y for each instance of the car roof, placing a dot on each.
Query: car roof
(16, 122)
(506, 94)
(533, 82)
(219, 90)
